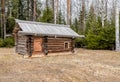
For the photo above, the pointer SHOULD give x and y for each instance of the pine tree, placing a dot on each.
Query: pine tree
(3, 29)
(20, 10)
(69, 12)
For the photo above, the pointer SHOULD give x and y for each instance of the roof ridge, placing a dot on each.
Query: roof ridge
(41, 23)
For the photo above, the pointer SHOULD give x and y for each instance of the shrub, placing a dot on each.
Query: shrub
(80, 42)
(8, 42)
(10, 24)
(101, 38)
(1, 42)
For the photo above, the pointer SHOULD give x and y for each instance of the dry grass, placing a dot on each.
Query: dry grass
(85, 66)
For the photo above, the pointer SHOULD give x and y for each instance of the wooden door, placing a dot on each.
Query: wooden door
(37, 44)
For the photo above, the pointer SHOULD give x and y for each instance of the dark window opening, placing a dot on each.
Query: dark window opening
(66, 45)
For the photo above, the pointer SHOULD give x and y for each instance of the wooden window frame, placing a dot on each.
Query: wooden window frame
(65, 45)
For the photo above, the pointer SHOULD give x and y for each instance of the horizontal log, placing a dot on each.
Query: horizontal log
(20, 50)
(58, 50)
(22, 41)
(24, 51)
(55, 48)
(21, 45)
(58, 42)
(55, 45)
(60, 38)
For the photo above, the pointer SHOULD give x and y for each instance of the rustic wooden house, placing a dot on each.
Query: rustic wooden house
(35, 38)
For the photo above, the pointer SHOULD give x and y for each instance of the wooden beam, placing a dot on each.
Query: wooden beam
(29, 45)
(73, 45)
(45, 45)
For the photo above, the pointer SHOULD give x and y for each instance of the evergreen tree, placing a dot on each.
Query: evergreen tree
(47, 16)
(20, 9)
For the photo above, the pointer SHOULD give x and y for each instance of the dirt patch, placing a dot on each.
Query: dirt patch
(85, 66)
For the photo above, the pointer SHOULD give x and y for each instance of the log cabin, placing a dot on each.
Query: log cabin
(36, 37)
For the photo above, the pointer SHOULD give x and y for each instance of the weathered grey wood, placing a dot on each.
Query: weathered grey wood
(21, 44)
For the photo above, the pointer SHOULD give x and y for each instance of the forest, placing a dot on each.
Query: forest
(93, 18)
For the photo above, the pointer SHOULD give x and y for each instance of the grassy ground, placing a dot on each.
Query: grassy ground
(85, 66)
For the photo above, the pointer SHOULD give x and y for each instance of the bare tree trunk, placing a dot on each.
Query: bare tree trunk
(53, 5)
(28, 9)
(113, 10)
(9, 8)
(52, 2)
(1, 18)
(34, 11)
(102, 13)
(106, 9)
(55, 11)
(68, 12)
(83, 16)
(55, 16)
(103, 10)
(3, 30)
(33, 5)
(117, 29)
(20, 10)
(47, 5)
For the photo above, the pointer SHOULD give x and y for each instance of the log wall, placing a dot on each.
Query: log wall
(21, 44)
(58, 44)
(30, 43)
(36, 45)
(53, 44)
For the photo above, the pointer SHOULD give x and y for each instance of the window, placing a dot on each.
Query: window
(66, 45)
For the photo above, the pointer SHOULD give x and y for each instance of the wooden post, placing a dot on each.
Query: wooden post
(73, 45)
(16, 42)
(29, 45)
(45, 45)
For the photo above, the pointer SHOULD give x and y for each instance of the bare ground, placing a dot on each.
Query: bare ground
(84, 66)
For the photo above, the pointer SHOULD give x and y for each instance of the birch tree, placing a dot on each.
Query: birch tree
(117, 29)
(56, 10)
